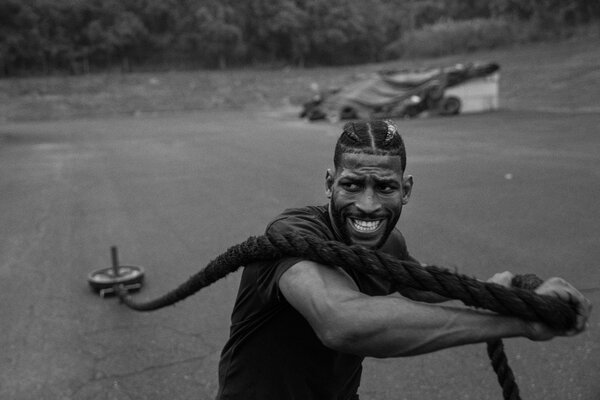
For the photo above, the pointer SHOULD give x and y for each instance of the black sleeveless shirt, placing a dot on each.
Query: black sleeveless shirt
(272, 352)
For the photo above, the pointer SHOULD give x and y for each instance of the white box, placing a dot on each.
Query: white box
(478, 94)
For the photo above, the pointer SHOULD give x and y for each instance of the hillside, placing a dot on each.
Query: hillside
(562, 77)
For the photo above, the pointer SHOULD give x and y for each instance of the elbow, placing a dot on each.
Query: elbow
(338, 332)
(349, 340)
(339, 329)
(336, 339)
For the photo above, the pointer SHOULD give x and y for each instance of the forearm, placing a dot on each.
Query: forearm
(349, 321)
(421, 295)
(396, 327)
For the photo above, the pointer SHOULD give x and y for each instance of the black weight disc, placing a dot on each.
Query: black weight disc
(105, 278)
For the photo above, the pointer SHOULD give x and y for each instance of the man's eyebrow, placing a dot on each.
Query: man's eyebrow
(378, 180)
(352, 176)
(388, 184)
(386, 180)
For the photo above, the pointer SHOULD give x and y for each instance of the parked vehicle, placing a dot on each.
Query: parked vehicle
(396, 94)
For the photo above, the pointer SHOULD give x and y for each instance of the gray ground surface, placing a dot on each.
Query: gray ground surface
(508, 190)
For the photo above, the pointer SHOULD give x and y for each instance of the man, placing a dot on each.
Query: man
(300, 330)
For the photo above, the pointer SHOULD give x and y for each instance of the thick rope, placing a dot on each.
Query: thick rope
(516, 301)
(507, 301)
(495, 348)
(253, 249)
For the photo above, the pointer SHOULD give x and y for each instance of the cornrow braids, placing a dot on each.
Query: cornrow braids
(391, 133)
(350, 132)
(371, 137)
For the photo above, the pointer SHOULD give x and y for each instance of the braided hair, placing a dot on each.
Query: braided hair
(371, 137)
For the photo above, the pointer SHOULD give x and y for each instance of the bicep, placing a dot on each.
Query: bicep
(317, 292)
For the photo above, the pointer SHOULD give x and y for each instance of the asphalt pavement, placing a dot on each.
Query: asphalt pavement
(510, 190)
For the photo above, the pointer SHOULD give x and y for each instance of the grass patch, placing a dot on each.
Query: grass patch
(452, 37)
(551, 75)
(459, 37)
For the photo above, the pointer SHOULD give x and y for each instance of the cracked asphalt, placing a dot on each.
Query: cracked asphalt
(514, 190)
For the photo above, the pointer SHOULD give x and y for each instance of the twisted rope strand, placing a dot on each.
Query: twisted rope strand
(508, 301)
(495, 348)
(506, 378)
(253, 249)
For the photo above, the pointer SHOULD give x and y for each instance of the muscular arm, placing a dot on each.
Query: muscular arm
(386, 326)
(420, 295)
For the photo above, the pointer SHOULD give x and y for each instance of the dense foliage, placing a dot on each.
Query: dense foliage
(44, 36)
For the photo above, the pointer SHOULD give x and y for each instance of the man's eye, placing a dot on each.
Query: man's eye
(351, 187)
(386, 188)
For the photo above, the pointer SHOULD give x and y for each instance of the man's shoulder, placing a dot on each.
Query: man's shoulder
(310, 220)
(396, 245)
(396, 237)
(307, 212)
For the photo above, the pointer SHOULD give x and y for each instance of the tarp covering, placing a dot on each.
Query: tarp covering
(388, 92)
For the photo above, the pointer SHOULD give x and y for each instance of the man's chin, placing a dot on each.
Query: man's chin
(368, 243)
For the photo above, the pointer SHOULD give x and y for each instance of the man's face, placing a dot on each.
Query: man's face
(366, 194)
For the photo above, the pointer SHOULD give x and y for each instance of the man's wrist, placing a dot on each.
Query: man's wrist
(514, 327)
(527, 329)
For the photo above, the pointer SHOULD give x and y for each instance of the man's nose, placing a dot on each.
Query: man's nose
(368, 202)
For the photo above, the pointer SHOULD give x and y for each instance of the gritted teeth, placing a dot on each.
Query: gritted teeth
(365, 226)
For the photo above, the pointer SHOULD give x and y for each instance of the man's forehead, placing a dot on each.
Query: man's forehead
(359, 163)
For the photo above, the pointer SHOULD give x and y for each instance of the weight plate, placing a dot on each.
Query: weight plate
(105, 278)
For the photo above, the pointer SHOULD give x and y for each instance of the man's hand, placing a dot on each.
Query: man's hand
(556, 287)
(562, 289)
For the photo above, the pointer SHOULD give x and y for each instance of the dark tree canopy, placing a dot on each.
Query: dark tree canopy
(78, 36)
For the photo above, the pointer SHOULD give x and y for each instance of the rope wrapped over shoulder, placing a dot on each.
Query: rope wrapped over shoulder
(520, 300)
(472, 292)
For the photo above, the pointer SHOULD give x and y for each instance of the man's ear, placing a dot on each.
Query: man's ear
(407, 185)
(328, 183)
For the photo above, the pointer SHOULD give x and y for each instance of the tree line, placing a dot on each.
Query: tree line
(80, 36)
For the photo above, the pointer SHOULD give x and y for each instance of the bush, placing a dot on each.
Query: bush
(451, 37)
